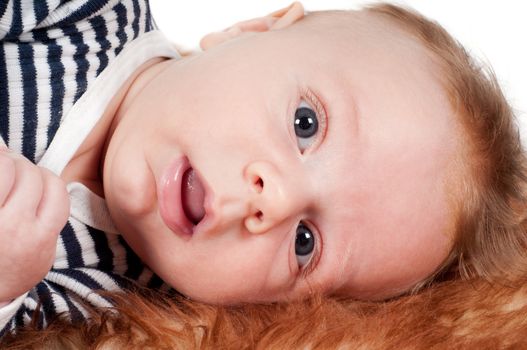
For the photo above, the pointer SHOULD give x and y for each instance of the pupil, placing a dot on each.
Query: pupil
(306, 123)
(304, 242)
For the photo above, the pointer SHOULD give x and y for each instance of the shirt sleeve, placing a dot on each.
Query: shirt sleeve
(8, 312)
(63, 293)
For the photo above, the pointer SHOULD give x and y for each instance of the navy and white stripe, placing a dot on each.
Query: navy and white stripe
(50, 52)
(87, 260)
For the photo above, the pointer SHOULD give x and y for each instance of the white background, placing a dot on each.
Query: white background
(495, 31)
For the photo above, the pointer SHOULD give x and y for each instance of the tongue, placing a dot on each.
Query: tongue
(192, 196)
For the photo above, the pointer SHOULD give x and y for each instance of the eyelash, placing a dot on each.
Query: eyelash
(317, 253)
(318, 107)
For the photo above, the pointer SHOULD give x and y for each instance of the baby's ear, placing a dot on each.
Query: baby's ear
(276, 20)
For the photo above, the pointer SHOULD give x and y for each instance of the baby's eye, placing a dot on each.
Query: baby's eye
(306, 125)
(304, 244)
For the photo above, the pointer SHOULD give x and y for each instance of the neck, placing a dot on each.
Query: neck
(86, 164)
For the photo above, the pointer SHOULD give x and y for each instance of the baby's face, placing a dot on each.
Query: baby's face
(318, 160)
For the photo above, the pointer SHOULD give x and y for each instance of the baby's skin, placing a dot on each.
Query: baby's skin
(292, 155)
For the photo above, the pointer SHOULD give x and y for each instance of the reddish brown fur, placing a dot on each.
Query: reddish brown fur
(453, 315)
(490, 244)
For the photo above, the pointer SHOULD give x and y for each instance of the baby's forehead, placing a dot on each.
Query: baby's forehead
(356, 29)
(337, 42)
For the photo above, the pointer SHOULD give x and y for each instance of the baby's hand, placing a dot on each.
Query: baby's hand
(34, 206)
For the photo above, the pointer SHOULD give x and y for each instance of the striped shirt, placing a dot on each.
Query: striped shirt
(58, 60)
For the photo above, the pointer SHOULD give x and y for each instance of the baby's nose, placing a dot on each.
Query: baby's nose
(273, 198)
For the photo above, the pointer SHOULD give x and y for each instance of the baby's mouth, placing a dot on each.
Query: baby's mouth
(192, 196)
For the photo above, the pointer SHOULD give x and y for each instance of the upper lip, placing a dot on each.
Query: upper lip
(207, 220)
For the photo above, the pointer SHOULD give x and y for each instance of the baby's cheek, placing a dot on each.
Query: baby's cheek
(219, 269)
(425, 261)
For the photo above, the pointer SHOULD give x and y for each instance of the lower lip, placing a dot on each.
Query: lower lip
(169, 198)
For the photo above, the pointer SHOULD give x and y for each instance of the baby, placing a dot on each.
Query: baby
(340, 152)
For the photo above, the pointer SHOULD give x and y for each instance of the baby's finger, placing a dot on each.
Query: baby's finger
(7, 177)
(53, 210)
(27, 190)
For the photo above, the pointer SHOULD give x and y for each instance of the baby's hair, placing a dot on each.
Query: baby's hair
(490, 185)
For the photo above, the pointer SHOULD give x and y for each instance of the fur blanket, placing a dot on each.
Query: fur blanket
(452, 315)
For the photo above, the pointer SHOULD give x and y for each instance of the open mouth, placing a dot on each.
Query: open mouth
(192, 196)
(182, 196)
